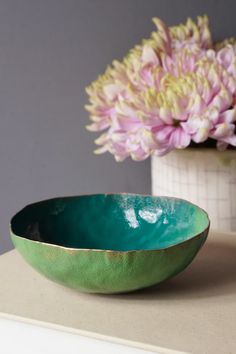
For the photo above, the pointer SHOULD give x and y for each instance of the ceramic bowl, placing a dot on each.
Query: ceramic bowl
(109, 243)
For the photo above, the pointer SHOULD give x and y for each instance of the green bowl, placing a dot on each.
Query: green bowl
(109, 243)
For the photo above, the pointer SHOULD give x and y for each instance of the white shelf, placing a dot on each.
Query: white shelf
(195, 312)
(24, 338)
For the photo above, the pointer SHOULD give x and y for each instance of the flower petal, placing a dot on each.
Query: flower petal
(149, 56)
(228, 116)
(179, 138)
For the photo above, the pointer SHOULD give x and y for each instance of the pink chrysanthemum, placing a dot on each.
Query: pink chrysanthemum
(174, 88)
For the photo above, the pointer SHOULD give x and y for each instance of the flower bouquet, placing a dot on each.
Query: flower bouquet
(175, 90)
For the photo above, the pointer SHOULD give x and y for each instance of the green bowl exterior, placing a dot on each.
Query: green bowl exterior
(103, 271)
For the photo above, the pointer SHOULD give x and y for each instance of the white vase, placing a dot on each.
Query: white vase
(205, 177)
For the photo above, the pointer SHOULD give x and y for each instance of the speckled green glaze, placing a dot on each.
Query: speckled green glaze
(109, 243)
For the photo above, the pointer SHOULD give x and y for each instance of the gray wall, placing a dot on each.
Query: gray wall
(49, 51)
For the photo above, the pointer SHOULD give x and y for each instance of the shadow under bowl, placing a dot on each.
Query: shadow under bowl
(109, 243)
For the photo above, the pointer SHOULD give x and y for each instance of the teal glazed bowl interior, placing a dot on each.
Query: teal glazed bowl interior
(109, 243)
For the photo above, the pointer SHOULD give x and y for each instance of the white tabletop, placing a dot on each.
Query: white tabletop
(195, 312)
(31, 338)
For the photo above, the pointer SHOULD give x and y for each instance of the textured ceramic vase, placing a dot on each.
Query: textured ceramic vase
(206, 177)
(109, 243)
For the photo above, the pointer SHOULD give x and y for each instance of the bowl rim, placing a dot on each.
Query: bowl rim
(70, 249)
